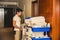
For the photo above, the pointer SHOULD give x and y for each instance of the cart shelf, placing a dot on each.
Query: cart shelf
(44, 29)
(41, 38)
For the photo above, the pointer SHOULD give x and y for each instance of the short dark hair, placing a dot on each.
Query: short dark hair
(19, 10)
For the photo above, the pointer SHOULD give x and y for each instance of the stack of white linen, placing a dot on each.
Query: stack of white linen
(38, 21)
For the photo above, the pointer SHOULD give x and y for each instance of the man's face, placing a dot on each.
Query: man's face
(19, 13)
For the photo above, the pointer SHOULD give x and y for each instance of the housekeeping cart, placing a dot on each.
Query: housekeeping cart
(39, 29)
(30, 34)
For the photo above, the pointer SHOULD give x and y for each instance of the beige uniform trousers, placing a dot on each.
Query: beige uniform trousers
(17, 35)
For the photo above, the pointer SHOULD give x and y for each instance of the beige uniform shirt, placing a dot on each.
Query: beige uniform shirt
(18, 20)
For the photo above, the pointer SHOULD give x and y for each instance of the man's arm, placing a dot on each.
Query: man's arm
(14, 25)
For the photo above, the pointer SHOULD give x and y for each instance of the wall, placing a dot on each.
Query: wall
(27, 8)
(50, 9)
(1, 17)
(55, 20)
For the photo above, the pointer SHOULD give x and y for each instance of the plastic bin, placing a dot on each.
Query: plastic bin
(41, 38)
(44, 29)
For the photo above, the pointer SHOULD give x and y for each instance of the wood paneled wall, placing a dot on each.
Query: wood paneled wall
(55, 20)
(45, 9)
(50, 9)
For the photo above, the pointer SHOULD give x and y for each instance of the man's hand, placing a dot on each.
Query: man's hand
(21, 28)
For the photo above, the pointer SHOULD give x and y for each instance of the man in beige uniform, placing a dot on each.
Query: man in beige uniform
(16, 23)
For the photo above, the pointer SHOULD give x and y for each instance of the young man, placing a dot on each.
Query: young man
(16, 23)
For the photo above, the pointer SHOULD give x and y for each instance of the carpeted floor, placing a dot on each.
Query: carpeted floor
(6, 34)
